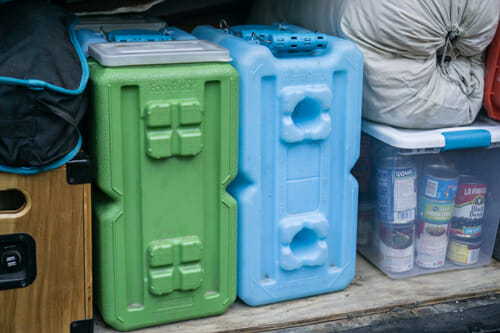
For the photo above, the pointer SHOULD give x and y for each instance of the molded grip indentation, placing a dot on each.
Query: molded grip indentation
(304, 113)
(174, 264)
(303, 241)
(173, 128)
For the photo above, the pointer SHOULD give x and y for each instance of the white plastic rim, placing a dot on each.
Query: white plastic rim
(421, 139)
(155, 53)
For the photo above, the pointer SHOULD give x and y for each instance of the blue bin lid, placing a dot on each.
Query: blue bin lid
(484, 132)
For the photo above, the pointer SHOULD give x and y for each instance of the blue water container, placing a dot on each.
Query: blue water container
(300, 114)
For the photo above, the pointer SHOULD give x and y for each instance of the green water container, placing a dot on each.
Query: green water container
(163, 139)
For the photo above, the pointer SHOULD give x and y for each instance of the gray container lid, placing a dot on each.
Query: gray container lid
(113, 22)
(154, 53)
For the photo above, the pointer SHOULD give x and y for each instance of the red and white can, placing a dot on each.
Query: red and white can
(469, 207)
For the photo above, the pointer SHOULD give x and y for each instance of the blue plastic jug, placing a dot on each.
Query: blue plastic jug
(300, 115)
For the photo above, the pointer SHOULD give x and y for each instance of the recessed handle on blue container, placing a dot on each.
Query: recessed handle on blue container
(86, 37)
(466, 139)
(137, 35)
(281, 38)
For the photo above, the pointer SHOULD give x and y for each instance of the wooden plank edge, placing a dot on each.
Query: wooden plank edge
(367, 312)
(87, 250)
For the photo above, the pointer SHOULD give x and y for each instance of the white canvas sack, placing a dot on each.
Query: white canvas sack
(423, 58)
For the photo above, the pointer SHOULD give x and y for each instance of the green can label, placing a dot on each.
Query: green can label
(436, 211)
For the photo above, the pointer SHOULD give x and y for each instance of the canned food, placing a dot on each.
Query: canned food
(432, 243)
(365, 222)
(464, 251)
(396, 189)
(469, 207)
(439, 182)
(436, 211)
(396, 245)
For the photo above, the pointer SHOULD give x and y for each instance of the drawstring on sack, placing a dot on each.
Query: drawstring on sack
(450, 37)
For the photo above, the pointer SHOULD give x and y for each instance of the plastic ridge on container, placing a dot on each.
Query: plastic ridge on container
(282, 38)
(300, 116)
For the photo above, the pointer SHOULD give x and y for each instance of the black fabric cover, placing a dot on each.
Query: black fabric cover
(38, 126)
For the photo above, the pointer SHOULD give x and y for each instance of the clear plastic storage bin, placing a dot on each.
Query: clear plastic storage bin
(430, 198)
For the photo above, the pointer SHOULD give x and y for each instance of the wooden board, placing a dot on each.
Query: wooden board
(479, 314)
(57, 216)
(87, 250)
(371, 292)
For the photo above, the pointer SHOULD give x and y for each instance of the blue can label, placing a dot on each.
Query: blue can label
(440, 189)
(396, 194)
(472, 230)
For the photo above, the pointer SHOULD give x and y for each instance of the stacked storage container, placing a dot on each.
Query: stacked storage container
(300, 112)
(433, 195)
(164, 139)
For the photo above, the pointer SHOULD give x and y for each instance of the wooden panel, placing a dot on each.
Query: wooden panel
(370, 293)
(54, 217)
(87, 250)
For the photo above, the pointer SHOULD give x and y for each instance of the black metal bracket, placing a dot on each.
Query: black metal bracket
(82, 326)
(78, 170)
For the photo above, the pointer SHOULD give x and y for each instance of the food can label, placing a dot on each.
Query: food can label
(396, 247)
(462, 253)
(469, 203)
(397, 194)
(395, 260)
(436, 211)
(439, 189)
(460, 230)
(432, 243)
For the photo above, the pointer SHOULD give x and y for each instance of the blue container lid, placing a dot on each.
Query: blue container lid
(484, 132)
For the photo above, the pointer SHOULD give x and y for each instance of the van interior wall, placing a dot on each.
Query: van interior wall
(185, 14)
(233, 11)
